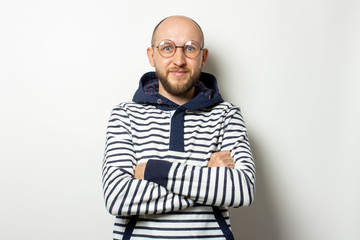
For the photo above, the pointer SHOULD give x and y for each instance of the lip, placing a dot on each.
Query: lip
(178, 73)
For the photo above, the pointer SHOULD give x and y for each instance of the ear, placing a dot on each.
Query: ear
(205, 55)
(150, 54)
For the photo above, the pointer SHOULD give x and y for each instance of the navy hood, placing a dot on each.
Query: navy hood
(206, 95)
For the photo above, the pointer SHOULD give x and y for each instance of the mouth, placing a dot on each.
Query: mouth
(178, 73)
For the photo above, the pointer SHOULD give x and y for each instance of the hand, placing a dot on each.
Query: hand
(139, 171)
(221, 159)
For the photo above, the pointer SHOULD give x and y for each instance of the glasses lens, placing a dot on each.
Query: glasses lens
(192, 49)
(167, 48)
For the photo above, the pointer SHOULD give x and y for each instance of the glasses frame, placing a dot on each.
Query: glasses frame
(176, 47)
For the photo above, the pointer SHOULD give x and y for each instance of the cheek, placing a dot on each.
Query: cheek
(198, 65)
(161, 63)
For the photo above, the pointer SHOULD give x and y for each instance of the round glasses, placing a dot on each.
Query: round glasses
(167, 48)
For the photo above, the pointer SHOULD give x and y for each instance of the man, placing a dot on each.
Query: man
(178, 155)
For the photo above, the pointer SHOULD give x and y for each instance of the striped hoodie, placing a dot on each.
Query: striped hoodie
(180, 197)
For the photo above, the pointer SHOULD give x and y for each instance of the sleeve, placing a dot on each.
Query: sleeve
(216, 186)
(123, 194)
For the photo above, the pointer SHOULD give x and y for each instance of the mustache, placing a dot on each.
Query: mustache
(178, 70)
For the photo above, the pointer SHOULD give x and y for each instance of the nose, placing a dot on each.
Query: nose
(179, 58)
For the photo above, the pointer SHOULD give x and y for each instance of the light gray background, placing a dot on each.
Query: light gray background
(292, 67)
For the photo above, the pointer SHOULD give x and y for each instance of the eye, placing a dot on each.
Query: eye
(191, 48)
(167, 48)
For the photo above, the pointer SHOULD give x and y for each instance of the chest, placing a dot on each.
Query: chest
(203, 132)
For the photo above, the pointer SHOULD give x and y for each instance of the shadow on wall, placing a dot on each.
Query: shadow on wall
(258, 221)
(211, 66)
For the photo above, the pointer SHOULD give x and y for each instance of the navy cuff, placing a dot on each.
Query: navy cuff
(157, 171)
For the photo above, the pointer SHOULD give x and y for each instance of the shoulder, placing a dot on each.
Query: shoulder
(222, 110)
(135, 110)
(131, 106)
(226, 107)
(230, 111)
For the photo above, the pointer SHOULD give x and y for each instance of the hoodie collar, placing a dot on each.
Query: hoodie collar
(206, 93)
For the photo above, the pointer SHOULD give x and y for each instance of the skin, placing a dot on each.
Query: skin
(180, 73)
(178, 70)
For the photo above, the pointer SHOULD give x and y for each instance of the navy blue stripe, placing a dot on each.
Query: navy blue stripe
(127, 188)
(152, 123)
(149, 129)
(157, 201)
(178, 237)
(206, 147)
(225, 187)
(164, 202)
(153, 136)
(177, 131)
(199, 186)
(130, 227)
(150, 141)
(142, 198)
(118, 142)
(180, 213)
(207, 185)
(196, 123)
(233, 189)
(133, 197)
(152, 149)
(119, 133)
(172, 229)
(216, 185)
(222, 223)
(117, 155)
(191, 180)
(199, 138)
(113, 188)
(249, 189)
(179, 220)
(149, 115)
(241, 189)
(114, 200)
(183, 180)
(202, 132)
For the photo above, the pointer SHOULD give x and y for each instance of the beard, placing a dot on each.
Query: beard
(182, 89)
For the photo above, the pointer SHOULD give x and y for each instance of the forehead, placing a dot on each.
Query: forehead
(179, 30)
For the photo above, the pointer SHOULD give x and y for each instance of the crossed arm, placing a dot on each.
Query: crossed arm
(217, 159)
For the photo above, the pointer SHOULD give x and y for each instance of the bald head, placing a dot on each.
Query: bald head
(177, 23)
